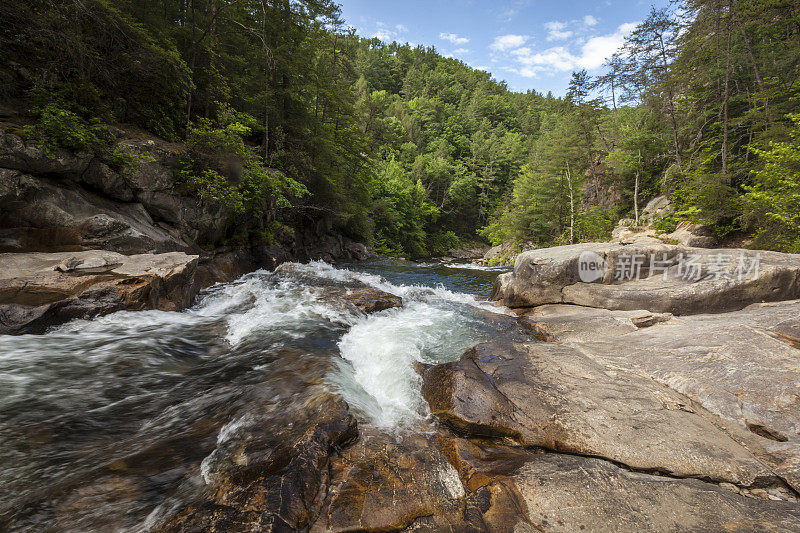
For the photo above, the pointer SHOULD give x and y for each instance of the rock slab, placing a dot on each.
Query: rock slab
(39, 290)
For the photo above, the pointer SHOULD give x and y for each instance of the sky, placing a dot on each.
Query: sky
(530, 44)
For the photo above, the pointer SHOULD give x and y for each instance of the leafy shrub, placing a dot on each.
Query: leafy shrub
(667, 224)
(439, 243)
(58, 127)
(121, 159)
(772, 202)
(220, 167)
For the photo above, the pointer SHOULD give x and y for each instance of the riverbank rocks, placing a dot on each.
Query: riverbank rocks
(552, 396)
(565, 493)
(642, 421)
(38, 290)
(648, 275)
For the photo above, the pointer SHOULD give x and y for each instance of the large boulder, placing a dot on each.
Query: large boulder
(649, 275)
(39, 290)
(555, 397)
(743, 367)
(148, 182)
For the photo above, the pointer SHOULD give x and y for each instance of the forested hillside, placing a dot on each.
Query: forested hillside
(415, 152)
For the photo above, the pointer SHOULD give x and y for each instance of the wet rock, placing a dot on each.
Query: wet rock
(87, 507)
(274, 475)
(39, 290)
(384, 483)
(569, 493)
(370, 300)
(555, 397)
(720, 280)
(224, 266)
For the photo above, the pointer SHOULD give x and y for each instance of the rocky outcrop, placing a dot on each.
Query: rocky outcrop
(649, 275)
(553, 396)
(466, 252)
(38, 290)
(639, 421)
(566, 493)
(58, 190)
(42, 214)
(54, 200)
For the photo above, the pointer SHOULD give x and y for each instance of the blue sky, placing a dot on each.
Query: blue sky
(531, 44)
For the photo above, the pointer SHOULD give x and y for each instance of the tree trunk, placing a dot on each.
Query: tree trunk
(671, 104)
(571, 207)
(726, 97)
(636, 188)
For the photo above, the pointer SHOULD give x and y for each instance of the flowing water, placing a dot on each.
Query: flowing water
(104, 423)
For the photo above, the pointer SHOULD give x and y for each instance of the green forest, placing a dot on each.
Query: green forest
(416, 153)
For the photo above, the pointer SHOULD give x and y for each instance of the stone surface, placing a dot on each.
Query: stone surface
(553, 396)
(692, 235)
(552, 276)
(566, 493)
(741, 366)
(384, 483)
(46, 215)
(560, 321)
(39, 290)
(30, 158)
(367, 299)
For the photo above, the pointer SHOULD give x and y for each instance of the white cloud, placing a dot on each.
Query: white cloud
(589, 55)
(589, 20)
(384, 35)
(453, 38)
(556, 31)
(507, 42)
(388, 33)
(461, 51)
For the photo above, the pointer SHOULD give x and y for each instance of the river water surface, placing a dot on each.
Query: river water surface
(104, 423)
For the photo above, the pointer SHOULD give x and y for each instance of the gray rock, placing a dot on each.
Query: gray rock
(100, 177)
(567, 493)
(30, 158)
(571, 322)
(555, 397)
(741, 366)
(47, 215)
(552, 276)
(39, 290)
(657, 205)
(691, 235)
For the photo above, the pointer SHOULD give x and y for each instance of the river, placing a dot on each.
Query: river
(105, 423)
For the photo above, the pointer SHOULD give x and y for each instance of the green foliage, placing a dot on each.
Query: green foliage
(402, 210)
(595, 225)
(773, 201)
(126, 160)
(667, 224)
(286, 112)
(219, 167)
(439, 243)
(57, 127)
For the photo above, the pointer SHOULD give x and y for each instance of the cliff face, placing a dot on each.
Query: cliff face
(55, 201)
